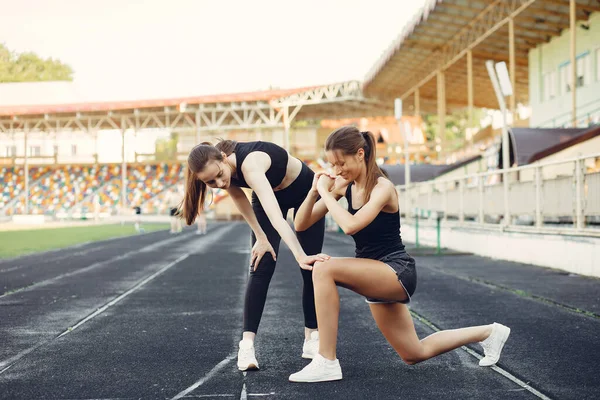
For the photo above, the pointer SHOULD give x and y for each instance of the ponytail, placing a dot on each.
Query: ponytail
(193, 201)
(226, 146)
(373, 170)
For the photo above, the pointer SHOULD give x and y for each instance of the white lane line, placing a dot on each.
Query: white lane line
(9, 362)
(206, 377)
(78, 253)
(225, 361)
(127, 293)
(499, 370)
(244, 394)
(148, 248)
(215, 237)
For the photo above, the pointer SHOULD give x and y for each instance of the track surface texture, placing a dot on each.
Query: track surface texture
(159, 316)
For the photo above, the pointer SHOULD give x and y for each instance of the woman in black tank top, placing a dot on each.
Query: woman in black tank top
(382, 271)
(279, 183)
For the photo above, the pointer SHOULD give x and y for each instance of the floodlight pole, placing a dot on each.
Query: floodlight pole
(505, 142)
(26, 166)
(123, 169)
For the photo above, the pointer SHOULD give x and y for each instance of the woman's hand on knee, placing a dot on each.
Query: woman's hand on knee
(307, 262)
(258, 251)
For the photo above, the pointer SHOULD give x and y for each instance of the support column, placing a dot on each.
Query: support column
(441, 106)
(286, 127)
(470, 90)
(123, 169)
(417, 102)
(417, 114)
(512, 68)
(55, 145)
(26, 162)
(96, 152)
(573, 27)
(197, 127)
(579, 221)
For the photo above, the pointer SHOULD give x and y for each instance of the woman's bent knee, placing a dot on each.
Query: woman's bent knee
(410, 361)
(410, 358)
(321, 270)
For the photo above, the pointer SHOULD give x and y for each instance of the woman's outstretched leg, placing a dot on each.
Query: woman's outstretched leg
(396, 324)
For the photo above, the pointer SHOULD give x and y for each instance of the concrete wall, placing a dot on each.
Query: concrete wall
(576, 254)
(548, 58)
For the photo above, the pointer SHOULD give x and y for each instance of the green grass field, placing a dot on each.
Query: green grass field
(16, 243)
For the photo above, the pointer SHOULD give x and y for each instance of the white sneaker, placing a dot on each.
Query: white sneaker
(320, 369)
(246, 357)
(310, 348)
(492, 346)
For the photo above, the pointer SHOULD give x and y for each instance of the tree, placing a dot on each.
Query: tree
(29, 67)
(166, 148)
(456, 127)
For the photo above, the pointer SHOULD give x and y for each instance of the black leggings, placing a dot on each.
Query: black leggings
(311, 241)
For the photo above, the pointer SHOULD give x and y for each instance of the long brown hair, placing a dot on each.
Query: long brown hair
(348, 140)
(195, 189)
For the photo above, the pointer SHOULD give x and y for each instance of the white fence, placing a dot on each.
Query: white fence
(547, 196)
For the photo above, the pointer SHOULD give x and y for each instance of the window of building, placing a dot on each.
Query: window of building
(549, 85)
(73, 149)
(11, 151)
(35, 151)
(584, 73)
(584, 69)
(565, 78)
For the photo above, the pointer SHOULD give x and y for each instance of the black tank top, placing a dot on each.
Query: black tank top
(279, 161)
(381, 237)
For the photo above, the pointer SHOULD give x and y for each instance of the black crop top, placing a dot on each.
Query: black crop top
(279, 161)
(381, 237)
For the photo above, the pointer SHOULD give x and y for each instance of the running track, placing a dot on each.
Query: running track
(158, 316)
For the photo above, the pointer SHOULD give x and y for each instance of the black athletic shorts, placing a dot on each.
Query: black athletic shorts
(404, 267)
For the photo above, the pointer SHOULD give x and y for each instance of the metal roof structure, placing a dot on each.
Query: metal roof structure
(267, 109)
(458, 36)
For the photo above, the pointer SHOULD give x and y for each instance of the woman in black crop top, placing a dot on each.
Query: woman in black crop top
(279, 183)
(382, 271)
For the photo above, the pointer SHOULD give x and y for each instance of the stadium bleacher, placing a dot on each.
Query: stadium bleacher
(66, 189)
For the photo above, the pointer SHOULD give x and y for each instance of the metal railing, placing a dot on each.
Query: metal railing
(559, 195)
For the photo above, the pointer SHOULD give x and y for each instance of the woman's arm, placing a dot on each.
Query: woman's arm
(349, 223)
(312, 210)
(262, 244)
(254, 169)
(259, 183)
(243, 205)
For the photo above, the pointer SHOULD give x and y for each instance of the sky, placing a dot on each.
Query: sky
(130, 49)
